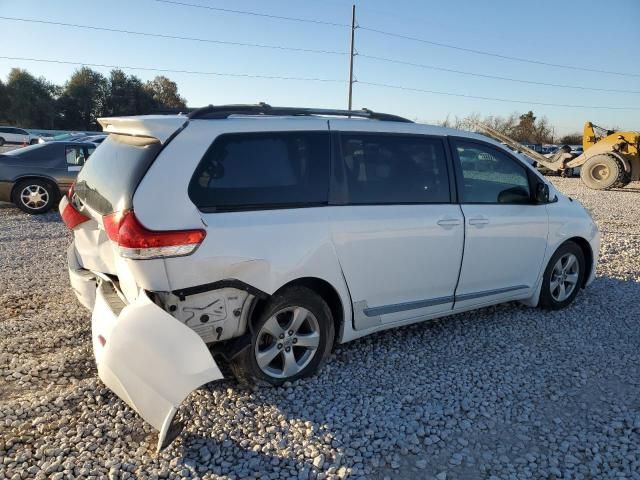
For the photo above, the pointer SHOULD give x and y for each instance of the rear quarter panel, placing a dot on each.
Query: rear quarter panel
(265, 249)
(47, 162)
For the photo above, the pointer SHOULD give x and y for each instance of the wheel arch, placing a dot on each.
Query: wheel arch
(323, 288)
(44, 178)
(588, 255)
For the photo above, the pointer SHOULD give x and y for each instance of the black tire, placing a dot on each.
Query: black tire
(33, 141)
(1, 141)
(604, 171)
(548, 299)
(48, 198)
(245, 364)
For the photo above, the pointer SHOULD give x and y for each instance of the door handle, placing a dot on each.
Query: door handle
(448, 222)
(479, 221)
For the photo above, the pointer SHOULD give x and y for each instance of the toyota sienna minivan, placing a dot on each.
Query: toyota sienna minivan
(266, 235)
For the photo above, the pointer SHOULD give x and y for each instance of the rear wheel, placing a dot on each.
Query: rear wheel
(34, 196)
(563, 277)
(603, 171)
(291, 339)
(1, 141)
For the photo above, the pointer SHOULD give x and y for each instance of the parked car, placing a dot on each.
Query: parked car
(518, 153)
(269, 235)
(67, 137)
(34, 178)
(95, 139)
(16, 136)
(577, 150)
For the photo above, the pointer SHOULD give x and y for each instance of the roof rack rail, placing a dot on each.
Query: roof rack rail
(225, 111)
(171, 111)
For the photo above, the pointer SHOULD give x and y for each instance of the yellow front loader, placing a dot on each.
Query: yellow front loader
(610, 159)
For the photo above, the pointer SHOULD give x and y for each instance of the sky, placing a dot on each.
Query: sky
(567, 32)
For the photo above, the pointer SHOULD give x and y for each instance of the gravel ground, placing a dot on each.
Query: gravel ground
(504, 392)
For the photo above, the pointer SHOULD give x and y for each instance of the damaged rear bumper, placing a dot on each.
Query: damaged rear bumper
(144, 355)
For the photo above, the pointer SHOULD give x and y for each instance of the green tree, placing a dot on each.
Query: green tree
(83, 100)
(4, 103)
(28, 100)
(572, 139)
(127, 95)
(165, 93)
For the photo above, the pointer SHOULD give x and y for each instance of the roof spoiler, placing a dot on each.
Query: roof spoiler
(159, 127)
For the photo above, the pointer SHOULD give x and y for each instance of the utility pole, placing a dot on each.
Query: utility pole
(353, 34)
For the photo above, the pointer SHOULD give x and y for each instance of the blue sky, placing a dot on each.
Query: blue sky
(564, 32)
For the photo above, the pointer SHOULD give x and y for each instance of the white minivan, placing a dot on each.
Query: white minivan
(266, 235)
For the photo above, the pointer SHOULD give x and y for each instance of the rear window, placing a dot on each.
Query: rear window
(109, 178)
(263, 170)
(26, 150)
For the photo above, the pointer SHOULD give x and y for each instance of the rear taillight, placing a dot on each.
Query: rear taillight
(70, 215)
(137, 242)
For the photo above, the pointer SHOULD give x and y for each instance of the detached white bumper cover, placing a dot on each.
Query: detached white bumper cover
(149, 359)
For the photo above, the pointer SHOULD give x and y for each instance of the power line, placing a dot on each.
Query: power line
(254, 14)
(309, 79)
(495, 99)
(173, 37)
(497, 55)
(167, 70)
(496, 77)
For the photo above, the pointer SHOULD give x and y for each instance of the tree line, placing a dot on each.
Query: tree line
(524, 128)
(30, 102)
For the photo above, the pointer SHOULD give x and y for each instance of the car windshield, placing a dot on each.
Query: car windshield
(20, 151)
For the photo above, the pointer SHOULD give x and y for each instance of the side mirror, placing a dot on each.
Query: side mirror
(542, 193)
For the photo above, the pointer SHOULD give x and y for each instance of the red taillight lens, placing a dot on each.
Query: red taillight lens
(70, 215)
(136, 241)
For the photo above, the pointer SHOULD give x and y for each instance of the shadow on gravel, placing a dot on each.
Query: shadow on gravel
(474, 394)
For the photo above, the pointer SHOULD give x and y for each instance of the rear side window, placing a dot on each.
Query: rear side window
(263, 170)
(389, 168)
(109, 178)
(74, 155)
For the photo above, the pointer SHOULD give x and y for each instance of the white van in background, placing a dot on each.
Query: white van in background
(16, 136)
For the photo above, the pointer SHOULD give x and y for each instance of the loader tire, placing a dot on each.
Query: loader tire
(602, 172)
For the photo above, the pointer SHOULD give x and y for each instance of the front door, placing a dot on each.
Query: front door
(506, 232)
(397, 234)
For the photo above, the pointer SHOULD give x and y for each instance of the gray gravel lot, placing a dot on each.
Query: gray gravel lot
(505, 392)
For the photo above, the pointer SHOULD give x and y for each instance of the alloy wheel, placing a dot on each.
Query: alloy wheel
(34, 197)
(287, 342)
(564, 277)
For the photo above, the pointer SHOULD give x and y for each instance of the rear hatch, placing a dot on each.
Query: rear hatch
(104, 193)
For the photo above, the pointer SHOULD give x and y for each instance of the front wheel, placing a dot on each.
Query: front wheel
(291, 339)
(563, 277)
(34, 196)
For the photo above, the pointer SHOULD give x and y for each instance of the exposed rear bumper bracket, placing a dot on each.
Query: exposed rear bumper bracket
(228, 283)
